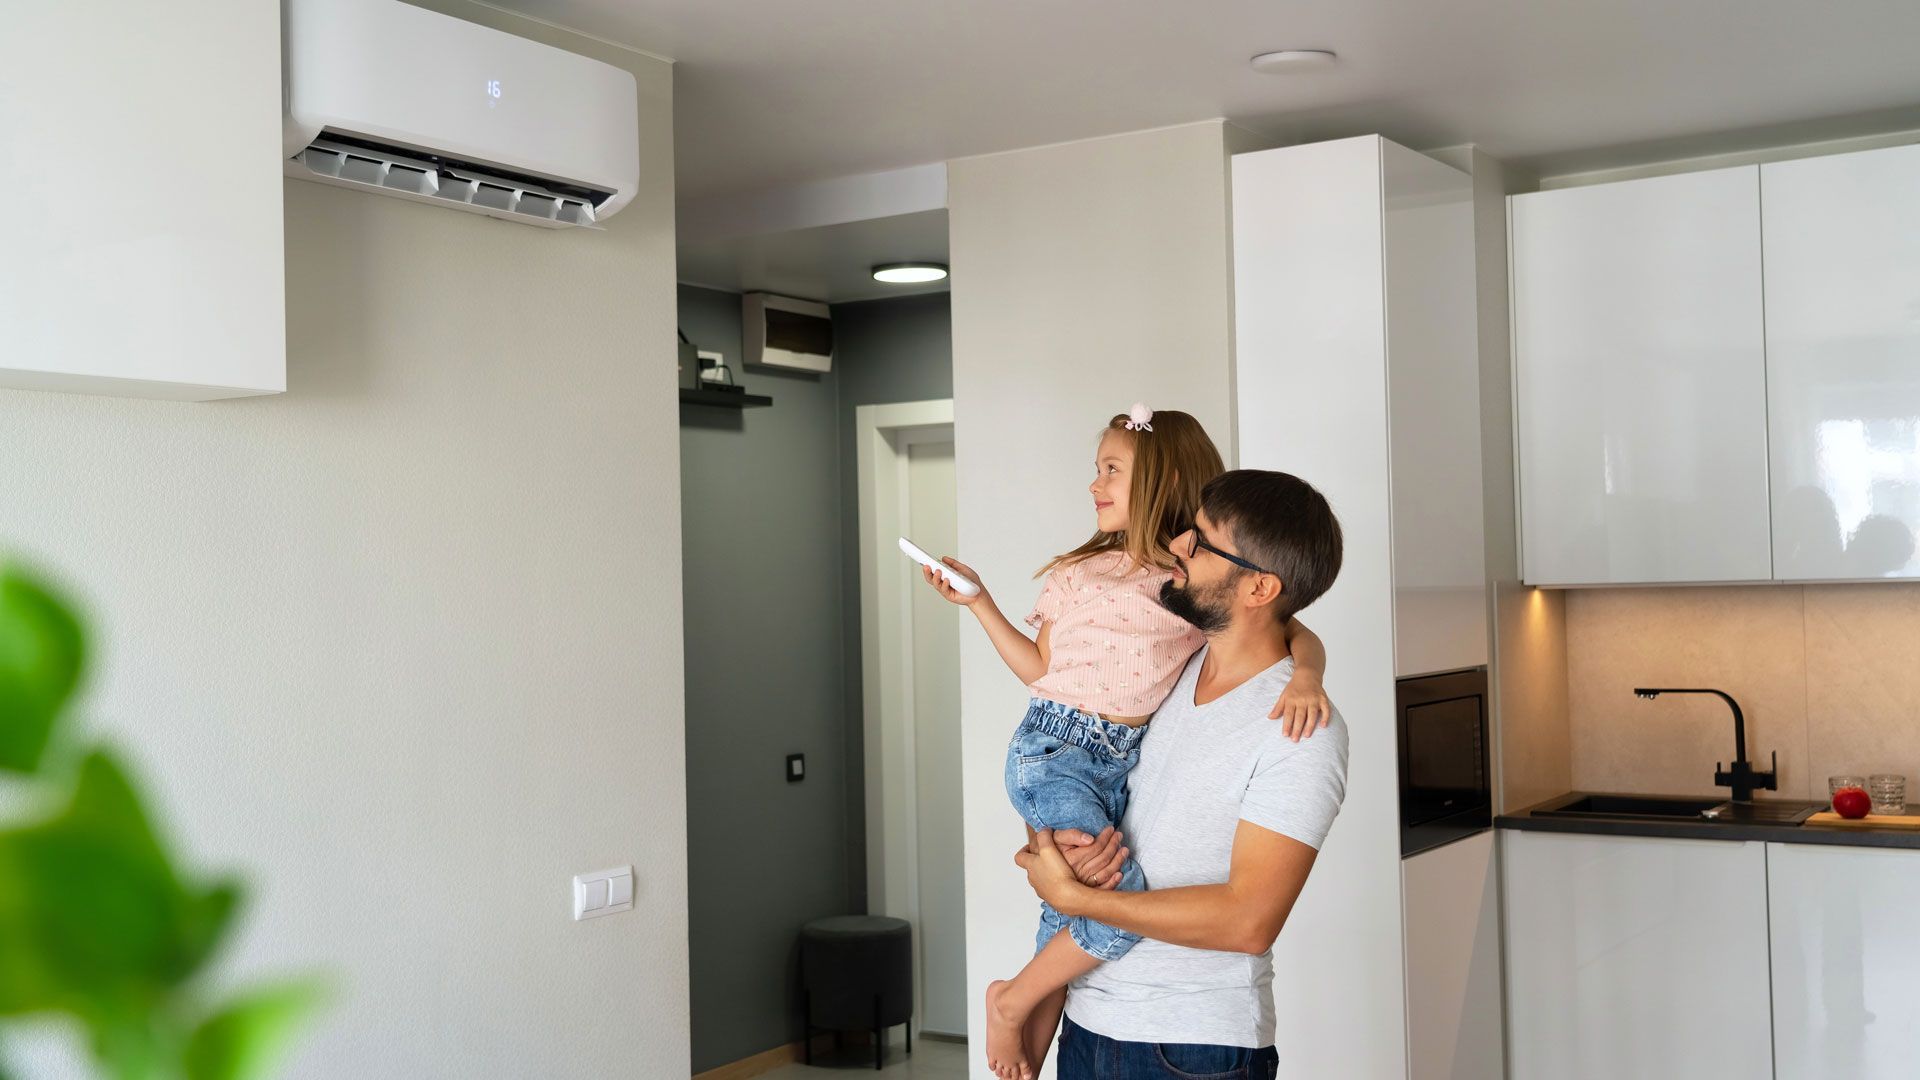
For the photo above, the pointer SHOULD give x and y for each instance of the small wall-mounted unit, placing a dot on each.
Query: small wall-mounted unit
(778, 332)
(387, 97)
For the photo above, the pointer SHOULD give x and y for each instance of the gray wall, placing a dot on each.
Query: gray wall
(402, 645)
(772, 654)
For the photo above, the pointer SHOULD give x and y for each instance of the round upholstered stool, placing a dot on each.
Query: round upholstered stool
(856, 972)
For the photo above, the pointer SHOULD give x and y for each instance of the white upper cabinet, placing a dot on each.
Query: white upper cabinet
(140, 154)
(1842, 237)
(1640, 381)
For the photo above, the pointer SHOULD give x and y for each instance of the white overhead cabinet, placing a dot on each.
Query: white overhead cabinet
(140, 154)
(1684, 415)
(1640, 381)
(1636, 957)
(1842, 238)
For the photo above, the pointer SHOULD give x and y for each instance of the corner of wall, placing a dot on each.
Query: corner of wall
(1532, 740)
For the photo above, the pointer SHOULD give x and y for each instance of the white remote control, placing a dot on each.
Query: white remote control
(959, 583)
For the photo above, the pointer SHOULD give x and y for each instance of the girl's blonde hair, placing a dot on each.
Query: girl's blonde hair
(1171, 464)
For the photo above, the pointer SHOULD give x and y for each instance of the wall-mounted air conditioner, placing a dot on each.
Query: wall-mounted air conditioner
(780, 332)
(387, 97)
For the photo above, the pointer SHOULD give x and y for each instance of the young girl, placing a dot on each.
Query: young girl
(1106, 654)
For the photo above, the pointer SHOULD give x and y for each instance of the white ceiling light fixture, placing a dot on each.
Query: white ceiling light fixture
(1288, 60)
(909, 273)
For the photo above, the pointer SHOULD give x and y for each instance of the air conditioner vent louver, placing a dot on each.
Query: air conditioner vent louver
(433, 178)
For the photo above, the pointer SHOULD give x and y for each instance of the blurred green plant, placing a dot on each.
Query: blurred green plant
(97, 921)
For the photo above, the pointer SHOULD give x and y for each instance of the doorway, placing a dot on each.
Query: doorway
(910, 645)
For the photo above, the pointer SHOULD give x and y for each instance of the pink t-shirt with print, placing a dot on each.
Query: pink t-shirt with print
(1113, 649)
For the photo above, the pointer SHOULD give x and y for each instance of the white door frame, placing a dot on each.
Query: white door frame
(882, 436)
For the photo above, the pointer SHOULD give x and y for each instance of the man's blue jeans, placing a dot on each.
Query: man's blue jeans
(1084, 1055)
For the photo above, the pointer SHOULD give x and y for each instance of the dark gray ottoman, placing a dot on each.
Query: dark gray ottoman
(856, 972)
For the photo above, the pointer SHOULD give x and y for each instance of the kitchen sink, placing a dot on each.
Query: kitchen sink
(1632, 806)
(1671, 808)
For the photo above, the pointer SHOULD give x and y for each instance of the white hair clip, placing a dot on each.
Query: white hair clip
(1139, 418)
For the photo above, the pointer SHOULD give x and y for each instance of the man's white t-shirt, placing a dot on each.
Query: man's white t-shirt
(1203, 770)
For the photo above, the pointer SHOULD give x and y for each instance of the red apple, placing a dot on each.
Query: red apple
(1851, 802)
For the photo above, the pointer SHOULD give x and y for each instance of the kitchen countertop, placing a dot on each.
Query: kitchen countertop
(1694, 829)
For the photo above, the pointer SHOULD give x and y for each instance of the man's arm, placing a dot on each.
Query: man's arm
(1268, 871)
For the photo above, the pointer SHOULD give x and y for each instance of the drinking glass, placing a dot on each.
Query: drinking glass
(1835, 783)
(1889, 793)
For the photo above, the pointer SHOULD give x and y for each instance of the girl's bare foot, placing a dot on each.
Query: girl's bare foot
(1006, 1052)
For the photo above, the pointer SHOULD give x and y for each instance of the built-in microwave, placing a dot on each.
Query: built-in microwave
(1446, 790)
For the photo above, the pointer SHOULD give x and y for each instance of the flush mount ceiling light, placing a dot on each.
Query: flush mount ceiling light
(909, 273)
(1284, 60)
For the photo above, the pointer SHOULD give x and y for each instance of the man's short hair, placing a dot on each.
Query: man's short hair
(1280, 523)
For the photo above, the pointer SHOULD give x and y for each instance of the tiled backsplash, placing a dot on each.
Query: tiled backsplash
(1827, 675)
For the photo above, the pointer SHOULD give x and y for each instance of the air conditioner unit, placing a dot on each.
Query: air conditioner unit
(386, 97)
(780, 332)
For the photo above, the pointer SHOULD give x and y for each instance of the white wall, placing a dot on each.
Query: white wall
(403, 645)
(1086, 276)
(139, 156)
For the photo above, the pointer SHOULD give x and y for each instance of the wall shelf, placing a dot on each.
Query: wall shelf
(724, 399)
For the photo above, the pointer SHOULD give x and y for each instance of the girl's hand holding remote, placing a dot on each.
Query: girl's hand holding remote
(939, 582)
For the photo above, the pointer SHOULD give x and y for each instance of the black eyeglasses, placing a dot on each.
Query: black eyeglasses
(1200, 543)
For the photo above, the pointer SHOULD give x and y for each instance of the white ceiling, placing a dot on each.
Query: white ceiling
(770, 93)
(830, 264)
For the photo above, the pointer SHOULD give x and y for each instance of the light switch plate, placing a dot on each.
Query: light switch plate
(796, 768)
(603, 892)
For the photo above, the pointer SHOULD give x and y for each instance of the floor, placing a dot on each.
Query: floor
(931, 1060)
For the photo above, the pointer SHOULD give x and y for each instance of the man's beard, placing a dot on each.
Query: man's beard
(1206, 609)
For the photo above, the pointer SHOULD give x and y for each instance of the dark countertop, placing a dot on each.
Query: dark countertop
(1694, 829)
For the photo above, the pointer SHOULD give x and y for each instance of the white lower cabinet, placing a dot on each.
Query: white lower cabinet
(1452, 910)
(1846, 961)
(1636, 957)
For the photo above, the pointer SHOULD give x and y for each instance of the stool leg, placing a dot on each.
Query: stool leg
(909, 1033)
(879, 1036)
(806, 1027)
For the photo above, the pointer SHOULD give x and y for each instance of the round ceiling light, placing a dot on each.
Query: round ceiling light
(1272, 63)
(909, 273)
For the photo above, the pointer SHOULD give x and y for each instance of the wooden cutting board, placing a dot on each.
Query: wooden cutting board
(1891, 821)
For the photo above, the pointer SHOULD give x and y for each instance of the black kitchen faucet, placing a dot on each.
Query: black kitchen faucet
(1741, 778)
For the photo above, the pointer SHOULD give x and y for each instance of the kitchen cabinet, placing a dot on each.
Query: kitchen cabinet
(140, 153)
(1640, 381)
(1846, 961)
(1842, 243)
(1354, 320)
(1451, 899)
(1636, 956)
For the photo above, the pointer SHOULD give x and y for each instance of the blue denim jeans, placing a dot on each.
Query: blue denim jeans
(1086, 1056)
(1067, 769)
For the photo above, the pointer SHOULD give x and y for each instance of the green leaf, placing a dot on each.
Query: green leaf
(244, 1040)
(94, 920)
(41, 652)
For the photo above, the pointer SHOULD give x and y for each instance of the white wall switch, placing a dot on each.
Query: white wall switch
(602, 892)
